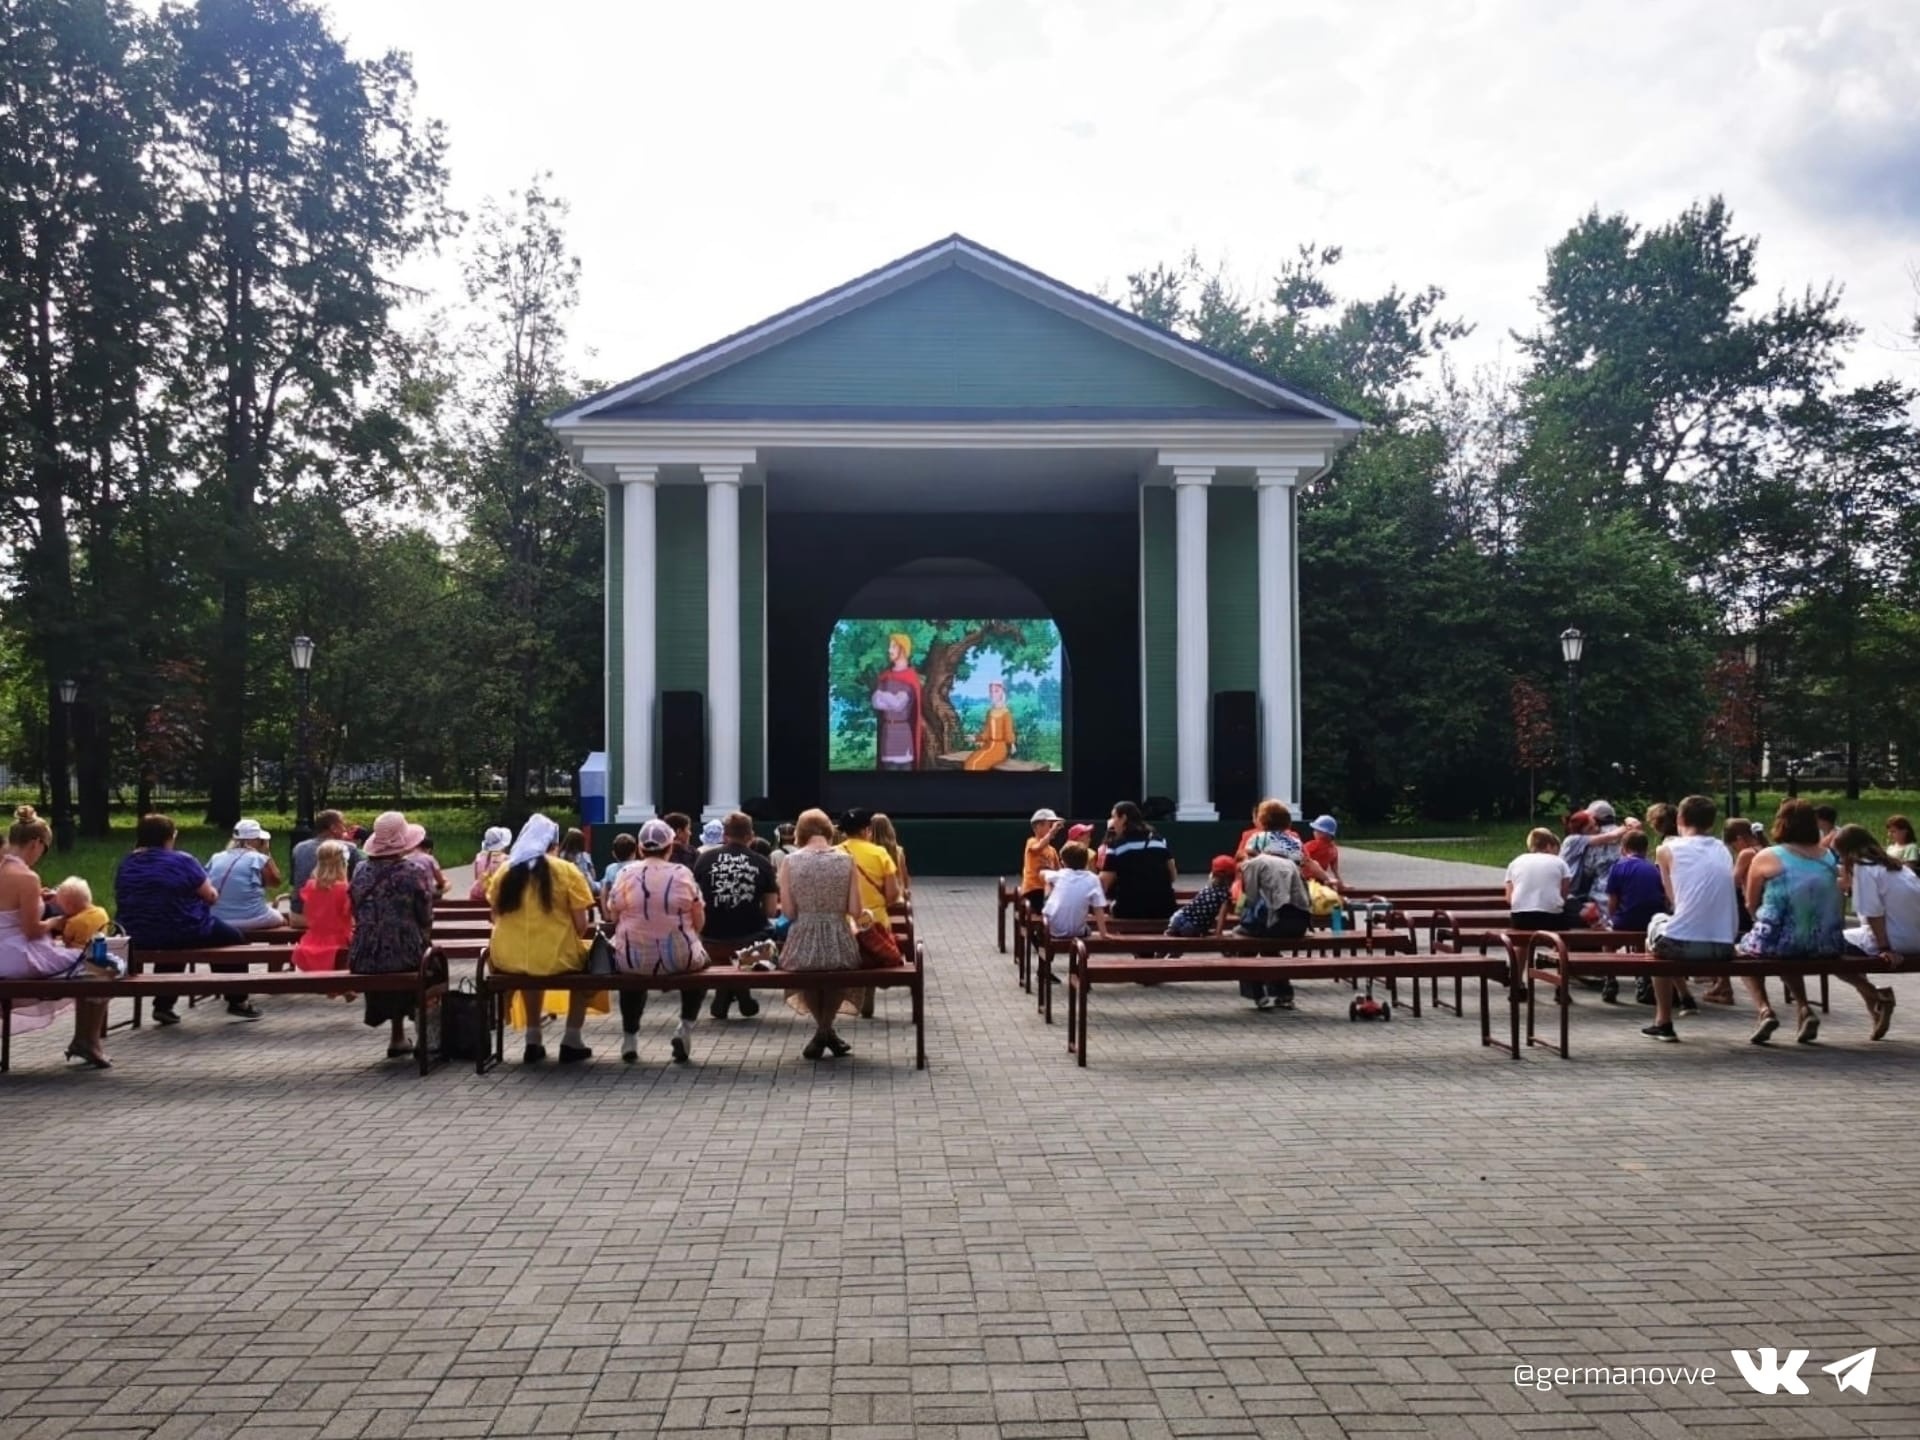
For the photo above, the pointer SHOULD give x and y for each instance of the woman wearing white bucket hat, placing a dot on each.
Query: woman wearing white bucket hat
(241, 875)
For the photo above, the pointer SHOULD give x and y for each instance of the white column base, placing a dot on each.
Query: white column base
(1196, 812)
(632, 814)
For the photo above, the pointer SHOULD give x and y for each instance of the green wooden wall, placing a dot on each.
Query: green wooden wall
(955, 340)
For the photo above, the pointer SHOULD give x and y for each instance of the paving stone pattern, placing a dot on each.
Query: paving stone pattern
(1233, 1223)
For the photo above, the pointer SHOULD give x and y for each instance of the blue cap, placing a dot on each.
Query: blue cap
(1326, 825)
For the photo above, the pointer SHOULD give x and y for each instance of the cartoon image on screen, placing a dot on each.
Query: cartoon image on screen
(977, 696)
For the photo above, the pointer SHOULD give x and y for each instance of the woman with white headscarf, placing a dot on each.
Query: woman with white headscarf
(541, 923)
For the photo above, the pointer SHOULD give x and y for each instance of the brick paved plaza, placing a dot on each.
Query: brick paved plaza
(1232, 1223)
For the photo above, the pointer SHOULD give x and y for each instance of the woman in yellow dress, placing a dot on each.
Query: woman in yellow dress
(996, 739)
(541, 925)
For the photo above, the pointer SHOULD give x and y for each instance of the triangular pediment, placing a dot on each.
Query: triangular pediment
(954, 332)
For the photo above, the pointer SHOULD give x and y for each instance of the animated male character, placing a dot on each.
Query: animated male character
(995, 740)
(896, 697)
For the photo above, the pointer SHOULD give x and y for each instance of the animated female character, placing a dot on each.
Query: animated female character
(995, 739)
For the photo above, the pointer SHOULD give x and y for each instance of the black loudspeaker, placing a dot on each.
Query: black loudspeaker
(1236, 752)
(683, 752)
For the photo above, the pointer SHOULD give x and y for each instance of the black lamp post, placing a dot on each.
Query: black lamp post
(1756, 741)
(1572, 644)
(303, 671)
(63, 795)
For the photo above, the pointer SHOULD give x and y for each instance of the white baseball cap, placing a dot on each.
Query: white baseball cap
(250, 830)
(1601, 811)
(1043, 814)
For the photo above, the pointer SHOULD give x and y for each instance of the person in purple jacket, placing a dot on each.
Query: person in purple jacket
(163, 899)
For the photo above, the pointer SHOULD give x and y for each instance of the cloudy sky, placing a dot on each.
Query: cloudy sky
(727, 158)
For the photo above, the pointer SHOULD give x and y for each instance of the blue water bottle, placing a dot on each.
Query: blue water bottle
(1339, 917)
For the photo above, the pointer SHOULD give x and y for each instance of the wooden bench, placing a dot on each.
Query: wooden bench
(274, 957)
(1556, 958)
(427, 987)
(1096, 961)
(1454, 935)
(496, 985)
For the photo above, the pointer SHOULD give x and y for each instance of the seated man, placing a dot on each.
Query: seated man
(1697, 872)
(1635, 892)
(742, 895)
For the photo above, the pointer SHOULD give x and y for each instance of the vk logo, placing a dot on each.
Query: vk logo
(1769, 1376)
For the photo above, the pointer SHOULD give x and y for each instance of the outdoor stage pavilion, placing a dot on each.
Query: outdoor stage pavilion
(954, 434)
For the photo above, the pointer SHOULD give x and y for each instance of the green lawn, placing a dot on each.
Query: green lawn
(455, 829)
(1498, 844)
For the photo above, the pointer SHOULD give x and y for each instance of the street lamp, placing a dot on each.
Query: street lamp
(303, 669)
(1572, 644)
(62, 795)
(1756, 741)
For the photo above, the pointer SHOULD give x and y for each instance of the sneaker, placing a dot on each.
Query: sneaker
(574, 1054)
(1809, 1030)
(533, 1055)
(1643, 991)
(681, 1055)
(1763, 1032)
(1265, 1002)
(1882, 1015)
(630, 1049)
(1283, 1002)
(722, 1003)
(1685, 1007)
(1660, 1032)
(1610, 990)
(749, 1007)
(165, 1017)
(243, 1010)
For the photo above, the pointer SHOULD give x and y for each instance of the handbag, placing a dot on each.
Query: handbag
(878, 949)
(600, 954)
(463, 1023)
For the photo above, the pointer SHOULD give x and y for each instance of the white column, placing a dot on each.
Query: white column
(1190, 674)
(723, 639)
(637, 625)
(1279, 632)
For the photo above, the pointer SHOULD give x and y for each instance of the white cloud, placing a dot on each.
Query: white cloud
(728, 159)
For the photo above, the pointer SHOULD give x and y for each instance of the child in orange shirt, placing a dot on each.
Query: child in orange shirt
(1040, 855)
(1321, 849)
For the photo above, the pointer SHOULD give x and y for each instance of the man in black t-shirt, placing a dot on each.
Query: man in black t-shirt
(741, 895)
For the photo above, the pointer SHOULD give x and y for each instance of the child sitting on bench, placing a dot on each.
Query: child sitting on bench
(1206, 913)
(1074, 896)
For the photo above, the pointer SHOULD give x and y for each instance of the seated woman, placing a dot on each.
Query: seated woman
(27, 951)
(658, 913)
(995, 742)
(1537, 884)
(164, 901)
(241, 874)
(1273, 822)
(1793, 890)
(542, 918)
(819, 895)
(1274, 905)
(1137, 869)
(1886, 901)
(392, 919)
(885, 836)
